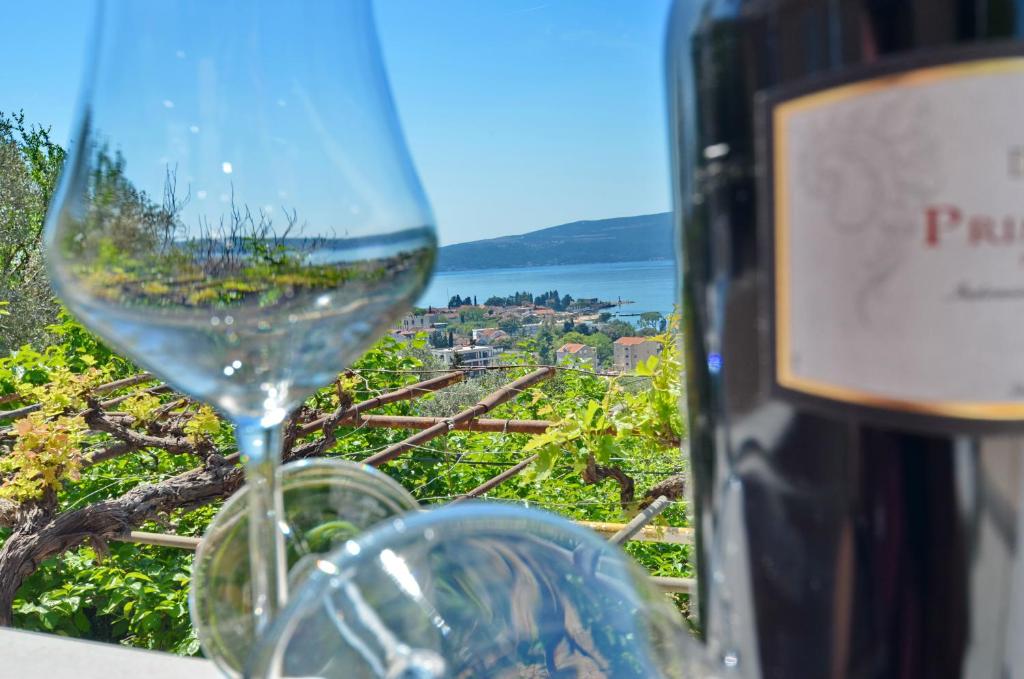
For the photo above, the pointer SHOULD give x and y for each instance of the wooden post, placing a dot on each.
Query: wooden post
(499, 396)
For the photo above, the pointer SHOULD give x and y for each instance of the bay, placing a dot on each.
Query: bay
(648, 286)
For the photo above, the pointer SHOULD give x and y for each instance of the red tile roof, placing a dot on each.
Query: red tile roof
(630, 341)
(571, 348)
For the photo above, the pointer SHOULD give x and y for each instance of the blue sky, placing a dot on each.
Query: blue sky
(520, 114)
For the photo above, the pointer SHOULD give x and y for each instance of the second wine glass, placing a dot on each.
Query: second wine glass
(239, 214)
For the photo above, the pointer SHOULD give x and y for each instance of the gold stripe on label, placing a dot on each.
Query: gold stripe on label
(781, 114)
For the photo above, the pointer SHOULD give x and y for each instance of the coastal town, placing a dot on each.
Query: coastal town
(557, 329)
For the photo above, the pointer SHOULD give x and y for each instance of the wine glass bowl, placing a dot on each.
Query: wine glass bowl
(239, 214)
(326, 502)
(477, 590)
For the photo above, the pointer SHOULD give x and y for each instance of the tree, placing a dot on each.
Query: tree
(504, 343)
(604, 317)
(438, 339)
(472, 316)
(29, 165)
(510, 325)
(651, 319)
(454, 302)
(617, 329)
(546, 346)
(549, 299)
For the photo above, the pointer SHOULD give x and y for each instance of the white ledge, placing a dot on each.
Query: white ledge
(27, 654)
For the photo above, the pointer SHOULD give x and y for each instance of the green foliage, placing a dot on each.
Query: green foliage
(616, 329)
(510, 325)
(29, 165)
(438, 339)
(515, 299)
(46, 452)
(47, 447)
(651, 319)
(204, 423)
(137, 595)
(604, 428)
(472, 316)
(544, 345)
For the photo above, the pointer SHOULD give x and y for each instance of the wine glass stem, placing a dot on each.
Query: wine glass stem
(261, 450)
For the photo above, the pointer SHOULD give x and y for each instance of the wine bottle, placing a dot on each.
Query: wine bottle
(849, 187)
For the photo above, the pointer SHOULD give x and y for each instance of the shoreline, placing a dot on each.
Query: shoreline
(646, 285)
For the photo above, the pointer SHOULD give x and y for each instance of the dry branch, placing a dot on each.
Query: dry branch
(595, 473)
(134, 440)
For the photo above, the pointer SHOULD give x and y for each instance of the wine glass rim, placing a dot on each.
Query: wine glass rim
(357, 472)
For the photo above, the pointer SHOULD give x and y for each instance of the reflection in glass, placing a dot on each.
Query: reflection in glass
(477, 591)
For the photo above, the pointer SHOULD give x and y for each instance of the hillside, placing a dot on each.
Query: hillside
(622, 239)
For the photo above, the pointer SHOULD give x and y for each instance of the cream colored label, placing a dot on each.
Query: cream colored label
(899, 241)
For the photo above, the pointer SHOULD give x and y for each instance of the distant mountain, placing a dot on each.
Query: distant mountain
(622, 239)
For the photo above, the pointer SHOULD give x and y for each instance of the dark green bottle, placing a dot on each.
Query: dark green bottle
(849, 185)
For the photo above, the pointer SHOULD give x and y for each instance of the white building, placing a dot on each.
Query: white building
(467, 357)
(422, 322)
(629, 352)
(580, 353)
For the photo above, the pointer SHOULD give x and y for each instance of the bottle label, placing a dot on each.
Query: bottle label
(897, 240)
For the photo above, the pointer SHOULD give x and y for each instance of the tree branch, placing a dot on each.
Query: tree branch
(595, 473)
(38, 535)
(120, 428)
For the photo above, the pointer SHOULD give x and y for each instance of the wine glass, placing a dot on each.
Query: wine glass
(477, 590)
(326, 502)
(239, 214)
